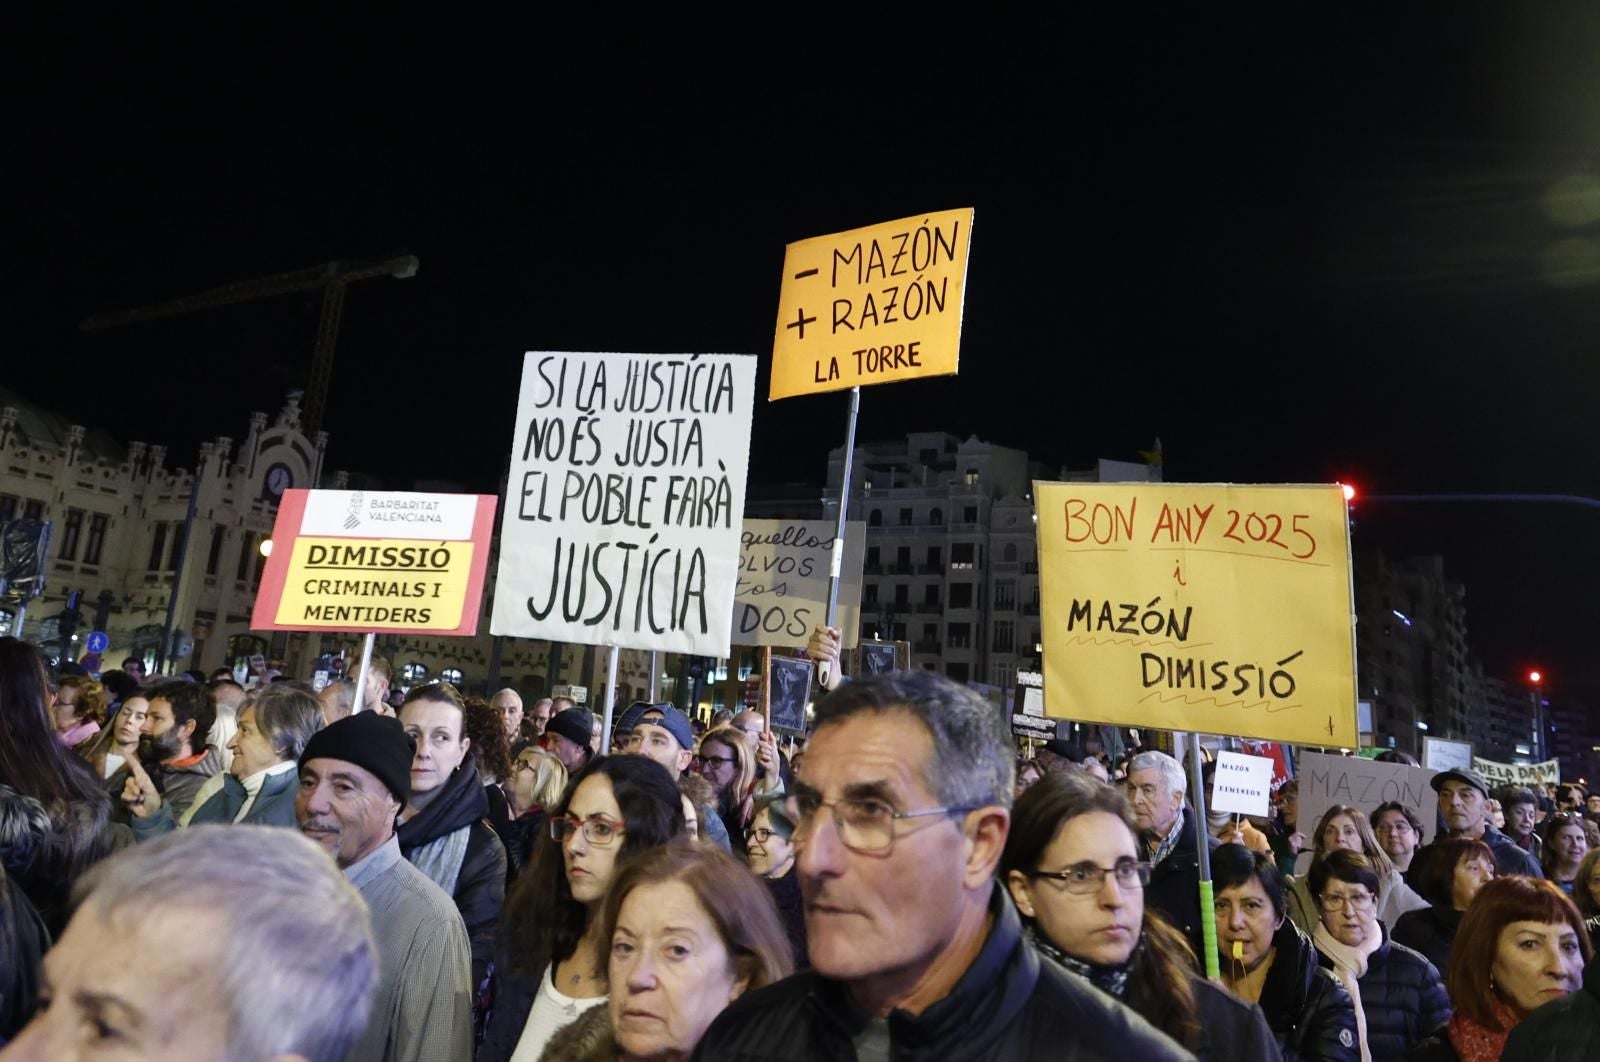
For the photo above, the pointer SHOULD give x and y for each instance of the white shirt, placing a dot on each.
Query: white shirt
(113, 762)
(551, 1012)
(253, 784)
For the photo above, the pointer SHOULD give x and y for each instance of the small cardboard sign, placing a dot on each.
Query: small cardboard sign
(1242, 784)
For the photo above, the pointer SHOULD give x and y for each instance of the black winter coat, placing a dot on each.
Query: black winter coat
(1308, 1009)
(1403, 998)
(1231, 1030)
(1429, 932)
(1009, 1005)
(1174, 888)
(481, 883)
(785, 892)
(1563, 1030)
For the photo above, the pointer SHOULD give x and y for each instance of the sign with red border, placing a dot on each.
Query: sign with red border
(390, 562)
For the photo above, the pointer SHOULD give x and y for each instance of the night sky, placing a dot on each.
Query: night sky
(1338, 247)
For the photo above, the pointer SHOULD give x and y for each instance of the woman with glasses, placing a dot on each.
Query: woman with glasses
(725, 761)
(1072, 866)
(690, 931)
(1399, 834)
(1565, 845)
(537, 780)
(1266, 960)
(1398, 997)
(550, 962)
(1448, 873)
(1521, 946)
(769, 850)
(1343, 827)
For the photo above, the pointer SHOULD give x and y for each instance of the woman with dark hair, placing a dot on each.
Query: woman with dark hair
(725, 761)
(35, 763)
(1398, 998)
(1344, 827)
(1521, 945)
(1565, 845)
(1399, 834)
(1586, 894)
(770, 852)
(1448, 873)
(492, 756)
(689, 931)
(1266, 960)
(1072, 865)
(550, 960)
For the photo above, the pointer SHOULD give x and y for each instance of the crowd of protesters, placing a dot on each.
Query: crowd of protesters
(196, 870)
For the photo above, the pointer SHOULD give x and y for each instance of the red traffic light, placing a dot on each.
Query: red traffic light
(1535, 677)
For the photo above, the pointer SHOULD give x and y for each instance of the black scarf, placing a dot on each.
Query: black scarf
(1112, 980)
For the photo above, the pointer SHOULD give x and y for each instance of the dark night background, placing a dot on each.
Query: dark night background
(1304, 250)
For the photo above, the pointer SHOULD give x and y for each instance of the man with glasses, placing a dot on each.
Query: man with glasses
(1156, 789)
(355, 776)
(902, 809)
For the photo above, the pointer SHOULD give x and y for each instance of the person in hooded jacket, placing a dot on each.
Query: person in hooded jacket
(1266, 960)
(1067, 831)
(443, 830)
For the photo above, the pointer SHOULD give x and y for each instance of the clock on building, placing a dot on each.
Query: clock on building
(279, 479)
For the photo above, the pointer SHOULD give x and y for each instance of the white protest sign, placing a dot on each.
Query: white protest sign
(1242, 784)
(1440, 755)
(625, 500)
(783, 582)
(1546, 773)
(1363, 784)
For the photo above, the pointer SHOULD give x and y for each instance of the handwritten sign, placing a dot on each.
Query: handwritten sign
(1027, 708)
(789, 686)
(1242, 784)
(1441, 755)
(1329, 780)
(783, 581)
(625, 500)
(1213, 608)
(871, 305)
(381, 561)
(1546, 773)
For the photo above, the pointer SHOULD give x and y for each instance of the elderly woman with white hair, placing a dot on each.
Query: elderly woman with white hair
(259, 785)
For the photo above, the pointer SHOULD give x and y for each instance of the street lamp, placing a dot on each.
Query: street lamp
(1535, 681)
(266, 547)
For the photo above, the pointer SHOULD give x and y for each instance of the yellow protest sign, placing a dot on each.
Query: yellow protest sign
(871, 305)
(390, 583)
(1214, 608)
(381, 561)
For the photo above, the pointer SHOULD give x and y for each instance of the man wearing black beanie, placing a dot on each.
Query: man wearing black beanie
(355, 776)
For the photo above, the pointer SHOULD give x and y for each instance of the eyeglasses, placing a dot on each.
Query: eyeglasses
(1083, 879)
(597, 831)
(1395, 826)
(762, 835)
(1356, 901)
(863, 825)
(701, 761)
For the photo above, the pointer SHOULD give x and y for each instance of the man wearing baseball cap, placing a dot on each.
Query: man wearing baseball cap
(355, 776)
(662, 733)
(1464, 807)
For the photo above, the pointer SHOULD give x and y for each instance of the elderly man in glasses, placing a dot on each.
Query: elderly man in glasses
(901, 814)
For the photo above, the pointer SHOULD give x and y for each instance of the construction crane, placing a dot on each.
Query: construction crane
(332, 278)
